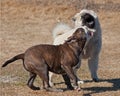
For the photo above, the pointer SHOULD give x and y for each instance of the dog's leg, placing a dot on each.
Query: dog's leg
(93, 66)
(31, 80)
(76, 70)
(67, 81)
(72, 76)
(78, 79)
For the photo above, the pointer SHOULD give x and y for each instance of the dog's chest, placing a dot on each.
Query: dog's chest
(87, 51)
(63, 58)
(69, 59)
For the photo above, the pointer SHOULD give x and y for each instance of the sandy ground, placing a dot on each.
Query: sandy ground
(24, 23)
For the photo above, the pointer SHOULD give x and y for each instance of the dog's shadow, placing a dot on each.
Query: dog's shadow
(115, 86)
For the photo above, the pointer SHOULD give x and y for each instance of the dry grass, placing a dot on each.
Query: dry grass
(24, 24)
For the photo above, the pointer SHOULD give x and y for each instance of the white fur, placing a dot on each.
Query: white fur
(92, 49)
(60, 29)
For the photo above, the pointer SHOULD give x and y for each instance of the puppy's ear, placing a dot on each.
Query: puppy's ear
(77, 15)
(73, 19)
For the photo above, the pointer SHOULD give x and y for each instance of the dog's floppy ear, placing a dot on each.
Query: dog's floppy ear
(75, 35)
(71, 39)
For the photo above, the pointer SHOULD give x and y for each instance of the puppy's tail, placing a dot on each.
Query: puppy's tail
(19, 56)
(60, 29)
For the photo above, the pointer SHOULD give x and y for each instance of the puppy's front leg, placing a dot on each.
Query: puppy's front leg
(72, 76)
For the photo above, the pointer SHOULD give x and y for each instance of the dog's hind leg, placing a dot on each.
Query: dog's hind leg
(31, 80)
(43, 74)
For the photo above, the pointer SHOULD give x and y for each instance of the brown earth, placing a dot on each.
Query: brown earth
(25, 23)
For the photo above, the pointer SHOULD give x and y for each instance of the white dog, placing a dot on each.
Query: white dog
(91, 52)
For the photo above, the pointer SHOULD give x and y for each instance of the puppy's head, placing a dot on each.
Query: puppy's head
(88, 20)
(85, 18)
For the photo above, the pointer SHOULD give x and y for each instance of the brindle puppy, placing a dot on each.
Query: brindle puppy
(60, 59)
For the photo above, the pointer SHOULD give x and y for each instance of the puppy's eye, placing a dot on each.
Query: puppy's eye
(88, 20)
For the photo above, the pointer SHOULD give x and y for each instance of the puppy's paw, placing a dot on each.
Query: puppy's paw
(95, 79)
(80, 82)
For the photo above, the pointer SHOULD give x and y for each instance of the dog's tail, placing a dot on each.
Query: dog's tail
(60, 29)
(19, 56)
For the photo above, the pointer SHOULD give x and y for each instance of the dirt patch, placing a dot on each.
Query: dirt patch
(9, 79)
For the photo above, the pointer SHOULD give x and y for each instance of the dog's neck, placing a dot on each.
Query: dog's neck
(77, 47)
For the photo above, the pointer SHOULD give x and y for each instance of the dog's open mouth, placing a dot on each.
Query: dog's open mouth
(90, 33)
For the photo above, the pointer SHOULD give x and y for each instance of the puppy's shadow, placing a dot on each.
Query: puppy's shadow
(115, 86)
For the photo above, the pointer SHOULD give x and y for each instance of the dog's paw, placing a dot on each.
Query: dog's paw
(70, 87)
(35, 88)
(77, 88)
